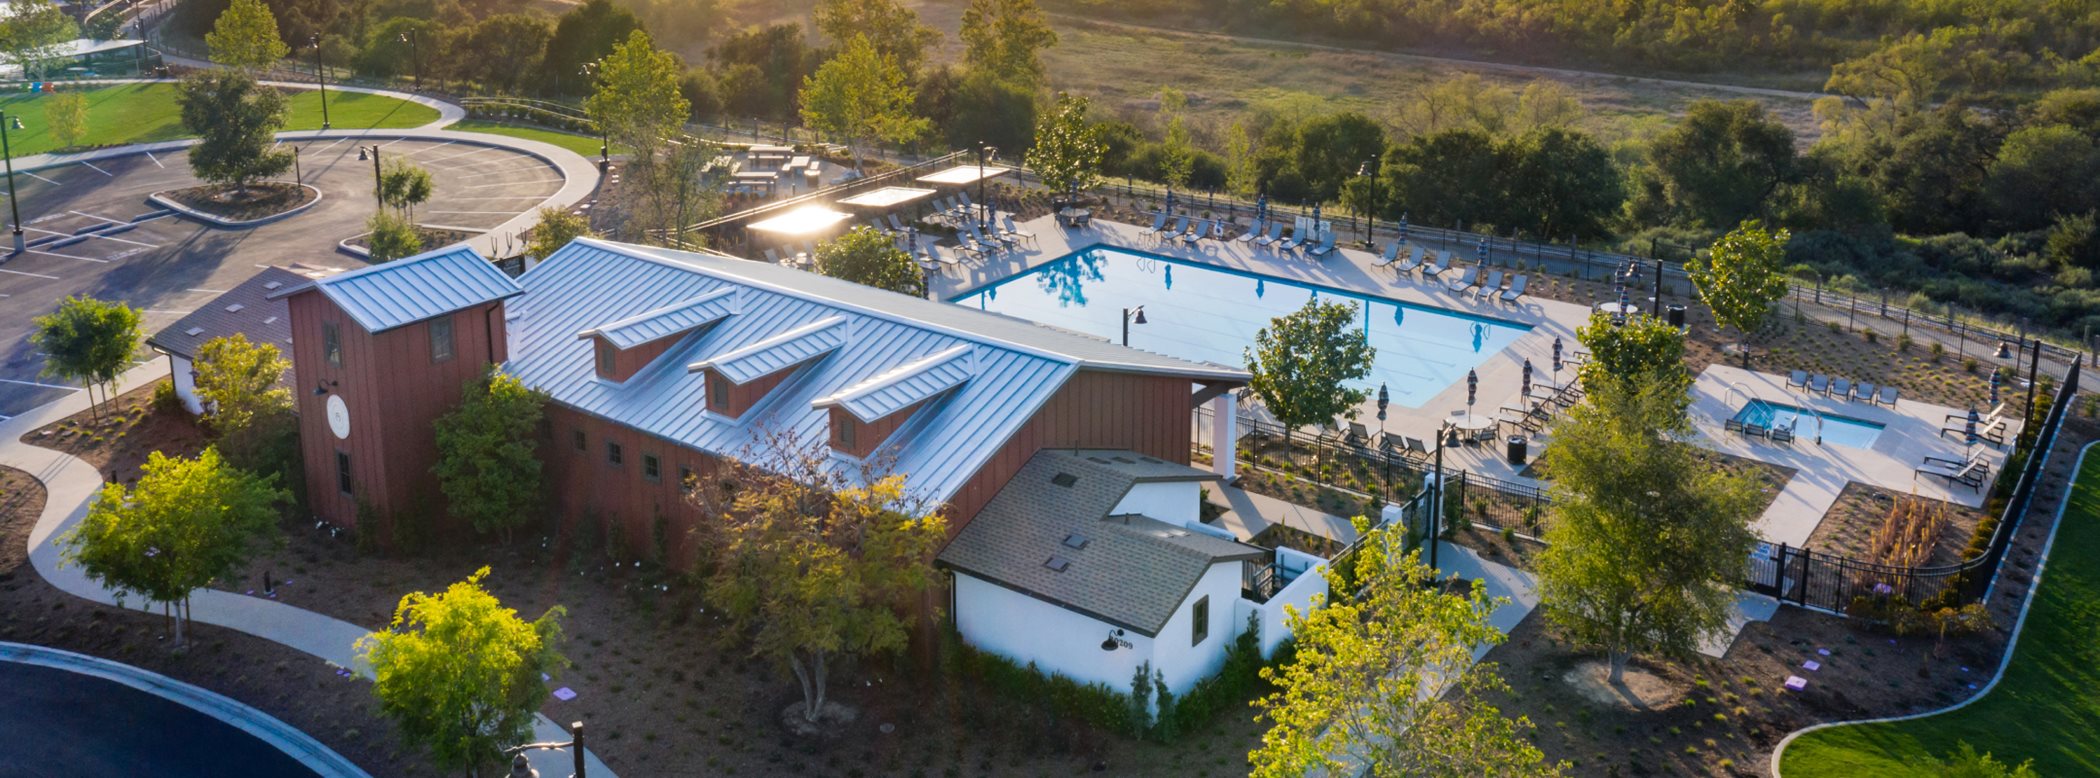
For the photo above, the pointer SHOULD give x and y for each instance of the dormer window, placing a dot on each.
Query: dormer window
(608, 360)
(848, 429)
(717, 391)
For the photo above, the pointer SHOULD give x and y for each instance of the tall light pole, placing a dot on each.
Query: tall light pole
(415, 54)
(590, 73)
(1132, 316)
(983, 206)
(7, 153)
(378, 187)
(1369, 171)
(321, 70)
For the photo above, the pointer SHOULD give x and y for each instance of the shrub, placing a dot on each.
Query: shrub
(164, 398)
(1938, 350)
(1968, 365)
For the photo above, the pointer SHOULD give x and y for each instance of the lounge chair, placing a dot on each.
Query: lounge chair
(1181, 225)
(1818, 384)
(1797, 379)
(1252, 232)
(1782, 434)
(1007, 225)
(1391, 255)
(1841, 388)
(897, 225)
(1442, 263)
(772, 256)
(1733, 424)
(1416, 449)
(1291, 243)
(1464, 281)
(1492, 287)
(946, 258)
(1864, 392)
(1887, 396)
(1275, 234)
(1989, 418)
(1970, 474)
(963, 207)
(1195, 232)
(1515, 291)
(1159, 220)
(1413, 263)
(1756, 430)
(1357, 435)
(1326, 245)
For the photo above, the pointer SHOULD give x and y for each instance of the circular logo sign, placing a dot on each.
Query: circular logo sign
(338, 417)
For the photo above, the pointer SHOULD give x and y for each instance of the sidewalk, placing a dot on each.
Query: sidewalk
(71, 484)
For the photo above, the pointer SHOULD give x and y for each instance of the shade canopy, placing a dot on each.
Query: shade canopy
(803, 221)
(964, 174)
(887, 197)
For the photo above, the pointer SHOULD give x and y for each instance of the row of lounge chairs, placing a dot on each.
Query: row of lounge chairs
(1972, 472)
(1466, 283)
(1776, 434)
(1262, 234)
(1991, 428)
(1842, 389)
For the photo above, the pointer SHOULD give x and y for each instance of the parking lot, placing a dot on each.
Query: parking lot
(168, 266)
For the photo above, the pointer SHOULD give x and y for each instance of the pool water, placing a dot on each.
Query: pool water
(1837, 430)
(1211, 314)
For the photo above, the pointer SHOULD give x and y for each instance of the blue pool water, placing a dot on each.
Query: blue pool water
(1211, 314)
(1837, 430)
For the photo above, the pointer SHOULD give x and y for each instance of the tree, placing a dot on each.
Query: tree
(1068, 150)
(507, 48)
(186, 523)
(584, 34)
(67, 114)
(1561, 183)
(1965, 762)
(1639, 351)
(812, 564)
(1718, 166)
(1646, 542)
(1385, 683)
(1006, 38)
(556, 229)
(637, 100)
(460, 674)
(245, 37)
(1329, 150)
(760, 69)
(1302, 363)
(485, 465)
(869, 258)
(87, 340)
(991, 111)
(2040, 172)
(861, 94)
(1741, 277)
(236, 124)
(404, 185)
(240, 383)
(1452, 177)
(894, 29)
(34, 32)
(1177, 150)
(390, 237)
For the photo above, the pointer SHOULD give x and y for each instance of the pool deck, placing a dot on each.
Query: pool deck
(1911, 428)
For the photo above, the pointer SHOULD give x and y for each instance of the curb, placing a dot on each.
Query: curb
(294, 743)
(2010, 645)
(169, 203)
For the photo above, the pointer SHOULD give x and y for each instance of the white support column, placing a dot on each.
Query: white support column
(1224, 436)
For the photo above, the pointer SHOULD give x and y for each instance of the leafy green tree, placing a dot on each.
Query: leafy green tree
(404, 185)
(1385, 684)
(34, 32)
(992, 111)
(861, 94)
(390, 237)
(67, 115)
(1647, 542)
(894, 29)
(1966, 762)
(811, 565)
(486, 464)
(245, 37)
(870, 258)
(556, 228)
(507, 49)
(236, 123)
(1742, 277)
(186, 523)
(1303, 361)
(637, 100)
(1068, 150)
(1330, 149)
(1448, 178)
(1561, 183)
(460, 674)
(1719, 166)
(241, 384)
(1177, 151)
(1928, 166)
(2040, 172)
(1640, 351)
(1006, 39)
(87, 340)
(586, 33)
(760, 69)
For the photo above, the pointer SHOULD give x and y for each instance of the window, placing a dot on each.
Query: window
(685, 479)
(612, 452)
(342, 471)
(331, 344)
(581, 444)
(1199, 626)
(605, 358)
(650, 468)
(441, 339)
(849, 431)
(717, 392)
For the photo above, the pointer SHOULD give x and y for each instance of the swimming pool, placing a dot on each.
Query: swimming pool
(1206, 313)
(1837, 430)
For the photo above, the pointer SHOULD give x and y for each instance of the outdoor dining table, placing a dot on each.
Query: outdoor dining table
(1075, 217)
(1618, 309)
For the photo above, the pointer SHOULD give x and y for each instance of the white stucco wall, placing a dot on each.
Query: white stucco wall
(1174, 502)
(1059, 641)
(1298, 594)
(185, 384)
(1182, 663)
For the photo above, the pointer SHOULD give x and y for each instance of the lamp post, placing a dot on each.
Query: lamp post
(378, 186)
(590, 73)
(415, 54)
(575, 747)
(984, 150)
(321, 70)
(1132, 316)
(1369, 171)
(1436, 498)
(7, 153)
(1383, 399)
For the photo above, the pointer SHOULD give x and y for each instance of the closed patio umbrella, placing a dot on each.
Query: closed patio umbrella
(1995, 380)
(1403, 228)
(1556, 361)
(1527, 379)
(1261, 206)
(1472, 391)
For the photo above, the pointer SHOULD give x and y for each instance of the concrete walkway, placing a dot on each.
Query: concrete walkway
(71, 484)
(1247, 514)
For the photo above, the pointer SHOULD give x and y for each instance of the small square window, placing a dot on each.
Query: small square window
(331, 344)
(441, 339)
(650, 468)
(606, 354)
(849, 433)
(1199, 624)
(612, 452)
(685, 479)
(581, 443)
(717, 392)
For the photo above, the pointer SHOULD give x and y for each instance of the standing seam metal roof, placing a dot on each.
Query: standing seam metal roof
(905, 386)
(666, 321)
(384, 296)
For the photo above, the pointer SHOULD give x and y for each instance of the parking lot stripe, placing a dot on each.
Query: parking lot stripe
(480, 213)
(141, 244)
(483, 150)
(338, 142)
(33, 383)
(40, 178)
(519, 183)
(501, 197)
(91, 166)
(439, 146)
(31, 275)
(156, 160)
(504, 171)
(104, 218)
(64, 256)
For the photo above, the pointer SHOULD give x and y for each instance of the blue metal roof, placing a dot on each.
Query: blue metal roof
(666, 321)
(779, 352)
(905, 386)
(384, 296)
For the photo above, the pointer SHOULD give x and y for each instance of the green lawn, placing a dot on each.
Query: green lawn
(143, 113)
(586, 145)
(2047, 708)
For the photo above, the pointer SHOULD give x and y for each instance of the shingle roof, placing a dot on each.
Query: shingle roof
(384, 296)
(246, 309)
(1131, 571)
(1017, 366)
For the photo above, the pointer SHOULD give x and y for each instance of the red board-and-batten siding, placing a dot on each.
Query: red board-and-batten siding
(1095, 409)
(394, 393)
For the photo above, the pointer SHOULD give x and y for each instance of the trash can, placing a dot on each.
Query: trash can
(1519, 448)
(1676, 315)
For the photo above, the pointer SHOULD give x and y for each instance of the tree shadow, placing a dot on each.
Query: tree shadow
(1067, 279)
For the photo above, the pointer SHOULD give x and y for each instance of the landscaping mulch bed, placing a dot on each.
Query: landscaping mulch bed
(431, 237)
(1849, 527)
(260, 200)
(129, 428)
